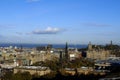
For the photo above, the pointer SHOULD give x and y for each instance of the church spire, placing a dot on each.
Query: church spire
(66, 51)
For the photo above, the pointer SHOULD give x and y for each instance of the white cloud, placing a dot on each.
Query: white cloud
(48, 30)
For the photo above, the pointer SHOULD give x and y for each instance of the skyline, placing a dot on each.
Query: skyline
(60, 21)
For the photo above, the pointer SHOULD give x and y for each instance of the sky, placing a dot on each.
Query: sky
(60, 21)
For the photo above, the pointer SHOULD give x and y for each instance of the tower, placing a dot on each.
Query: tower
(89, 46)
(111, 43)
(66, 52)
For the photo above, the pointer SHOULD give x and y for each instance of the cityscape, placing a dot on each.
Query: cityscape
(59, 40)
(45, 62)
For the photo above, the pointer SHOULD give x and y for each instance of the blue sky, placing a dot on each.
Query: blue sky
(60, 21)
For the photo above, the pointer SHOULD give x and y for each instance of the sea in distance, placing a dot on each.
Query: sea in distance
(37, 45)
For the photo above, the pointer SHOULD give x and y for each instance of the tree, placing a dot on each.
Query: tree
(22, 76)
(52, 64)
(8, 76)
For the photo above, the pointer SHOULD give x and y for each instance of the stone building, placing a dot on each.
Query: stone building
(97, 54)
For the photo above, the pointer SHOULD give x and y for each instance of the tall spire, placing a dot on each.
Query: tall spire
(111, 43)
(66, 51)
